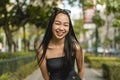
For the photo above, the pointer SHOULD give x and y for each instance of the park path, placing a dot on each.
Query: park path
(90, 74)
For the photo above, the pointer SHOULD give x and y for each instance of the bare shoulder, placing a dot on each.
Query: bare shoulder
(79, 52)
(78, 47)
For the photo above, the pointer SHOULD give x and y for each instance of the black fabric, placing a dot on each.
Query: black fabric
(58, 72)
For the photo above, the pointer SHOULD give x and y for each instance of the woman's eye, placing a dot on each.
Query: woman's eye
(57, 23)
(66, 24)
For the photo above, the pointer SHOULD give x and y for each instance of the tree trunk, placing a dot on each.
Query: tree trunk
(9, 38)
(24, 40)
(108, 23)
(7, 31)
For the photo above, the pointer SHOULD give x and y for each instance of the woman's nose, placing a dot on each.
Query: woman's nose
(61, 27)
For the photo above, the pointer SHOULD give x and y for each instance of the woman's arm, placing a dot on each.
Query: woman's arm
(43, 69)
(43, 66)
(80, 61)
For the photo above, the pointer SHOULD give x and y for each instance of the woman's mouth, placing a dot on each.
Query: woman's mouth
(60, 33)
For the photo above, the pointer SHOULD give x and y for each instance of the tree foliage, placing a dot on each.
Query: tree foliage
(17, 14)
(116, 23)
(117, 39)
(113, 7)
(98, 20)
(39, 15)
(78, 26)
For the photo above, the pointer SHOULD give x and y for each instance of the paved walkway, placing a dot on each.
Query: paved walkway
(90, 74)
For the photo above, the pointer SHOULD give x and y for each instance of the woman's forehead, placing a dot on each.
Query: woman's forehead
(61, 17)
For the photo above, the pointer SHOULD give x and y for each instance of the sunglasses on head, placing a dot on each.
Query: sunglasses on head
(63, 10)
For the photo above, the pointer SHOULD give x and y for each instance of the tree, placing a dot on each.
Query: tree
(113, 7)
(99, 22)
(78, 27)
(16, 15)
(39, 15)
(4, 22)
(116, 25)
(19, 17)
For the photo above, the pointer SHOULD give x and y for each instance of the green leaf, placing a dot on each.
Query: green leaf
(116, 23)
(98, 20)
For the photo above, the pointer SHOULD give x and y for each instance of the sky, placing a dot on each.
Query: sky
(76, 11)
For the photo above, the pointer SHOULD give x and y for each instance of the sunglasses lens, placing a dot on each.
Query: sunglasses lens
(64, 10)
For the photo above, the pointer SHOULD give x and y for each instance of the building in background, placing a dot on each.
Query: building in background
(89, 25)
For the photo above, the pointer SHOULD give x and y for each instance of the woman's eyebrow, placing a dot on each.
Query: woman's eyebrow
(60, 21)
(57, 21)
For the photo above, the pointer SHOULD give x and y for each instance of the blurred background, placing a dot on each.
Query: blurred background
(23, 22)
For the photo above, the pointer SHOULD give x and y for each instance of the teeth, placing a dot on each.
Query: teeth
(57, 30)
(63, 31)
(60, 31)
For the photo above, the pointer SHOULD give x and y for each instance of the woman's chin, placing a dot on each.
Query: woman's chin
(59, 37)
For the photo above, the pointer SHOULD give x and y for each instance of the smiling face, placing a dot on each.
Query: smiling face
(60, 26)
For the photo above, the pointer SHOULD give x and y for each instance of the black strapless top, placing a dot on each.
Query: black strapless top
(57, 71)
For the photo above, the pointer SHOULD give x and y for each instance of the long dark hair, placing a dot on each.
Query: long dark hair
(70, 39)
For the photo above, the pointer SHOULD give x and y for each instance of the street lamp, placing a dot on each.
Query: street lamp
(96, 40)
(96, 28)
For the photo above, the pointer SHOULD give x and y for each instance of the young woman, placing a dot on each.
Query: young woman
(60, 48)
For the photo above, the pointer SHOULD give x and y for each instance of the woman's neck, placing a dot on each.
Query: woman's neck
(57, 43)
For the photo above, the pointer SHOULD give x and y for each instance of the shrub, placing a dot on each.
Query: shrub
(88, 55)
(13, 64)
(96, 62)
(111, 71)
(8, 55)
(21, 73)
